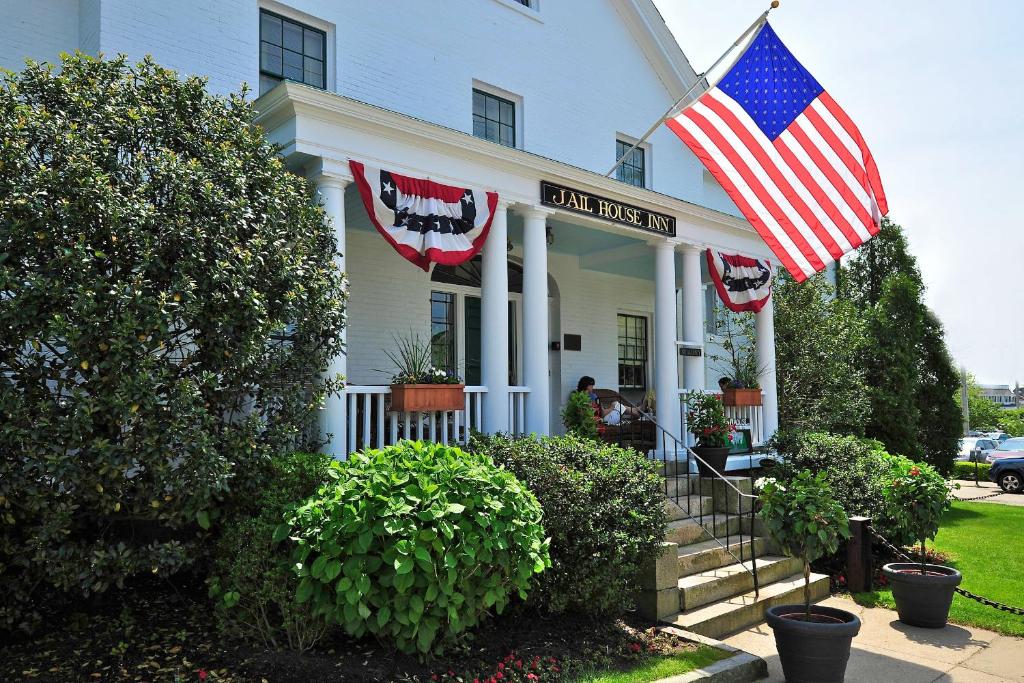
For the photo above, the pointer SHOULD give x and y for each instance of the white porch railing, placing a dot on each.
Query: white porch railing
(745, 417)
(371, 425)
(517, 410)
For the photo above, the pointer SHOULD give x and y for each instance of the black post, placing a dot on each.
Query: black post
(858, 556)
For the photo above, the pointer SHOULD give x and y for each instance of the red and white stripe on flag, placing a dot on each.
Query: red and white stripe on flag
(790, 158)
(425, 221)
(743, 283)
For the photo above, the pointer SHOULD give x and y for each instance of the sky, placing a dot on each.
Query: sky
(937, 90)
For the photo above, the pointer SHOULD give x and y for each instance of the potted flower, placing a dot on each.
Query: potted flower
(419, 386)
(707, 422)
(806, 521)
(740, 360)
(915, 498)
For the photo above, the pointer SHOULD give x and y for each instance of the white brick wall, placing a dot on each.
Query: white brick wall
(37, 29)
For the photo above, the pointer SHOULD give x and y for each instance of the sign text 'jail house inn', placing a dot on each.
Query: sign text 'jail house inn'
(609, 209)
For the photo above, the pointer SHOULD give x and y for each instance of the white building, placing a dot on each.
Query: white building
(1000, 394)
(501, 95)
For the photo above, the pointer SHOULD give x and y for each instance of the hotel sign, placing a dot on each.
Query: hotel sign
(609, 209)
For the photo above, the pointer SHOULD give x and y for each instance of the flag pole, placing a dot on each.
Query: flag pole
(700, 77)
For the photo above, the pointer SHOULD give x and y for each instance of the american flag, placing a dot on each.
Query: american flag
(788, 156)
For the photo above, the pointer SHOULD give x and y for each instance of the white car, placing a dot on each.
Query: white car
(969, 443)
(1011, 448)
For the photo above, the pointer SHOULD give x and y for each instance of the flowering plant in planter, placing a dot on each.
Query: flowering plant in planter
(414, 363)
(915, 497)
(706, 420)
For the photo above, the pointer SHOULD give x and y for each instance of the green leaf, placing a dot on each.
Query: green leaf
(304, 591)
(332, 569)
(203, 519)
(280, 532)
(455, 508)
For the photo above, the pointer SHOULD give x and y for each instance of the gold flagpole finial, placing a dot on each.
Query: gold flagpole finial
(775, 4)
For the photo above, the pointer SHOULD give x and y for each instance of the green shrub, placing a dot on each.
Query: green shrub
(252, 581)
(965, 470)
(604, 508)
(578, 415)
(916, 496)
(415, 543)
(153, 248)
(804, 518)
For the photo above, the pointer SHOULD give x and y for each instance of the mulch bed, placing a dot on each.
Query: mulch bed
(161, 632)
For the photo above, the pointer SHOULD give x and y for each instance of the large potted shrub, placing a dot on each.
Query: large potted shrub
(418, 385)
(579, 416)
(806, 522)
(706, 420)
(916, 496)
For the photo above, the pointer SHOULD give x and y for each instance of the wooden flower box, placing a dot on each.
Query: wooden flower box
(742, 397)
(427, 398)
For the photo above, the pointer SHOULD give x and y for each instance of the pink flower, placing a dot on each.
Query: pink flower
(532, 677)
(915, 471)
(203, 674)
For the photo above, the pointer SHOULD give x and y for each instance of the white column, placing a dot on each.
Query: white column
(494, 324)
(764, 329)
(333, 420)
(666, 377)
(535, 319)
(693, 317)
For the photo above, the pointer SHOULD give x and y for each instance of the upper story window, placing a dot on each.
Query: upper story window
(494, 118)
(291, 51)
(633, 168)
(524, 3)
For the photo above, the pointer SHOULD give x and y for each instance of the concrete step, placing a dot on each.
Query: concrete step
(701, 589)
(688, 506)
(680, 486)
(740, 611)
(688, 530)
(704, 555)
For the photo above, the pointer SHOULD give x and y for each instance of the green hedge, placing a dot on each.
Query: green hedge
(965, 470)
(252, 581)
(415, 544)
(603, 509)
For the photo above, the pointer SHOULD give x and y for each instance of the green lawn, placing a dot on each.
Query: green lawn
(656, 668)
(985, 542)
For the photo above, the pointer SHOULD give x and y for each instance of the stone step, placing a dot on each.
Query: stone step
(688, 530)
(701, 589)
(704, 555)
(725, 617)
(680, 486)
(688, 506)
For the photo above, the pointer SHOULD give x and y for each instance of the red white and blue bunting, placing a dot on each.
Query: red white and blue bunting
(425, 221)
(743, 283)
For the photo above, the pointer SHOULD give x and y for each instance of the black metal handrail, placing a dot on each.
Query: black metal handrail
(645, 434)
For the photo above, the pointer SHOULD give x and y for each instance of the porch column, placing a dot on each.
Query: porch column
(693, 317)
(494, 324)
(333, 421)
(666, 378)
(764, 330)
(535, 319)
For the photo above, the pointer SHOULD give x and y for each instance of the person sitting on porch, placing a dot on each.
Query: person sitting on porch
(724, 383)
(612, 415)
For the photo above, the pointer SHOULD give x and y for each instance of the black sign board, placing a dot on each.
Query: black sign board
(690, 351)
(609, 209)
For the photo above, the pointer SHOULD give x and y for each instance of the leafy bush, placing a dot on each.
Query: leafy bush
(168, 301)
(578, 415)
(965, 470)
(252, 580)
(603, 508)
(916, 496)
(415, 543)
(804, 518)
(706, 420)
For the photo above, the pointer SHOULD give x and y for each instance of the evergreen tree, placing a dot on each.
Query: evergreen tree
(940, 426)
(819, 341)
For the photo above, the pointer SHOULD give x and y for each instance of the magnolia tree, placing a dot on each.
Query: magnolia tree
(168, 302)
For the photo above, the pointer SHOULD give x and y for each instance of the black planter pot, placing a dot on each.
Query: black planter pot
(715, 457)
(922, 599)
(810, 651)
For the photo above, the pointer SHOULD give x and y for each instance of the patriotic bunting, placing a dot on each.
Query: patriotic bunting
(425, 221)
(788, 156)
(743, 283)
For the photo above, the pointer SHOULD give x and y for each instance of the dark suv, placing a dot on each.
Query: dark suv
(1009, 474)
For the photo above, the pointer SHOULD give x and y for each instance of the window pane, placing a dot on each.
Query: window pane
(492, 130)
(314, 44)
(270, 58)
(506, 136)
(507, 113)
(314, 73)
(270, 28)
(478, 103)
(492, 108)
(479, 127)
(292, 36)
(292, 65)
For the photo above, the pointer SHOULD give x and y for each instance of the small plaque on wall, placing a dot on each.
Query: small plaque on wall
(573, 342)
(693, 351)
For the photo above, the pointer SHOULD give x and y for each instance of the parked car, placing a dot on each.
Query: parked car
(1009, 474)
(1011, 448)
(969, 444)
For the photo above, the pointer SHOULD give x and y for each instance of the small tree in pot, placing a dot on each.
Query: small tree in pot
(706, 420)
(806, 521)
(916, 496)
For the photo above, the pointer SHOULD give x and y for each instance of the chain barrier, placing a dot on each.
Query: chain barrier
(989, 495)
(966, 593)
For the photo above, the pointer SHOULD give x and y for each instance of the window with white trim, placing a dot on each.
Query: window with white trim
(292, 51)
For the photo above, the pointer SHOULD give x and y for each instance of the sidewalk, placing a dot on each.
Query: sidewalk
(985, 488)
(888, 651)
